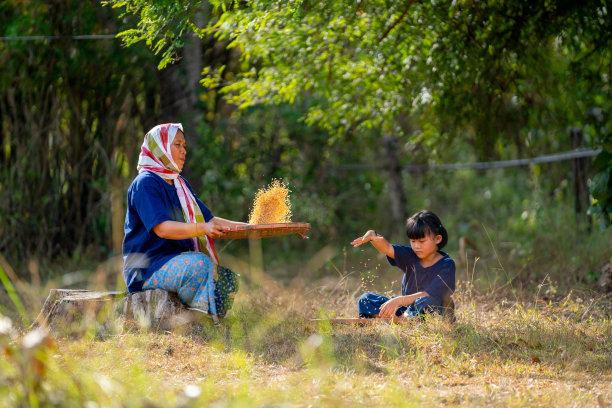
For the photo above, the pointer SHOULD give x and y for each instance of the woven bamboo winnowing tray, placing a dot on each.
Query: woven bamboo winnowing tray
(258, 231)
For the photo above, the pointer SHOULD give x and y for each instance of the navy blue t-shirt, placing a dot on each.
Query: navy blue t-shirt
(438, 280)
(151, 201)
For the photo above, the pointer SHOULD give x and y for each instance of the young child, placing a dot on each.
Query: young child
(429, 273)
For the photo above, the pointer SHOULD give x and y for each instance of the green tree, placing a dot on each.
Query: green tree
(506, 77)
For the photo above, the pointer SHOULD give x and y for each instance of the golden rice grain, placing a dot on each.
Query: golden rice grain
(271, 204)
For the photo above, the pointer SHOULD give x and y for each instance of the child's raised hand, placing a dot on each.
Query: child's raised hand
(367, 237)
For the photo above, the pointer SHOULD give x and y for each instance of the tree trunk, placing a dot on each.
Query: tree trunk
(579, 173)
(396, 185)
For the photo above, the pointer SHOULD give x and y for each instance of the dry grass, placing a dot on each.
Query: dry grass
(267, 352)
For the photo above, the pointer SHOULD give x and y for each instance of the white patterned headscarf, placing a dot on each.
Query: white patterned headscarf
(156, 157)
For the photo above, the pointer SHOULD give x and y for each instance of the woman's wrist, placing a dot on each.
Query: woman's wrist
(197, 230)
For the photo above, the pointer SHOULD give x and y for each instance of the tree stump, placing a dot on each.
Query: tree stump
(158, 309)
(75, 309)
(79, 310)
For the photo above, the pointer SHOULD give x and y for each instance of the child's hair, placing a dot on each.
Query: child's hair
(424, 223)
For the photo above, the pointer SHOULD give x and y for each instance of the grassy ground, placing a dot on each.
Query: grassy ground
(502, 351)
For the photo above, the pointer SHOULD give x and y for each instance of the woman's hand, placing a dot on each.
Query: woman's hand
(212, 229)
(371, 235)
(222, 222)
(389, 308)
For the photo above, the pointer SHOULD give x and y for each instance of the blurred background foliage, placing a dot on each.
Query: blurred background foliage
(335, 97)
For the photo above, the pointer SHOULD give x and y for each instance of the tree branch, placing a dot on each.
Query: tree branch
(396, 22)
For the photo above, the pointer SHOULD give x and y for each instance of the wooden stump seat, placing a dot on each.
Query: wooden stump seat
(76, 310)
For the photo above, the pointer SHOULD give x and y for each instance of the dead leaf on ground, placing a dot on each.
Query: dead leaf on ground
(600, 401)
(512, 345)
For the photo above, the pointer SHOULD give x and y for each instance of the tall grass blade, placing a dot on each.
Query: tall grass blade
(10, 289)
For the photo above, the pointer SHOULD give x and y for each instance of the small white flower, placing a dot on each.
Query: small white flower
(192, 391)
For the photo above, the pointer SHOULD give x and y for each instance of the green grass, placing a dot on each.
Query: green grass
(503, 351)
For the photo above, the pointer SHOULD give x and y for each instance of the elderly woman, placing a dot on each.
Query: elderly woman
(169, 232)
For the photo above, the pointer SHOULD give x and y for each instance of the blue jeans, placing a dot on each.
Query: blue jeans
(369, 304)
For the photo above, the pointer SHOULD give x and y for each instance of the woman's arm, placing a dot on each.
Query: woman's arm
(379, 242)
(185, 230)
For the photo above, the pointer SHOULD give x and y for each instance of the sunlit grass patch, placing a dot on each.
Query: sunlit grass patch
(267, 352)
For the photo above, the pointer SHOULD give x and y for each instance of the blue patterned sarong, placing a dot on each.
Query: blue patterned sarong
(198, 282)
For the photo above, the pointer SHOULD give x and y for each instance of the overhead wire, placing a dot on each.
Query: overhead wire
(548, 158)
(58, 37)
